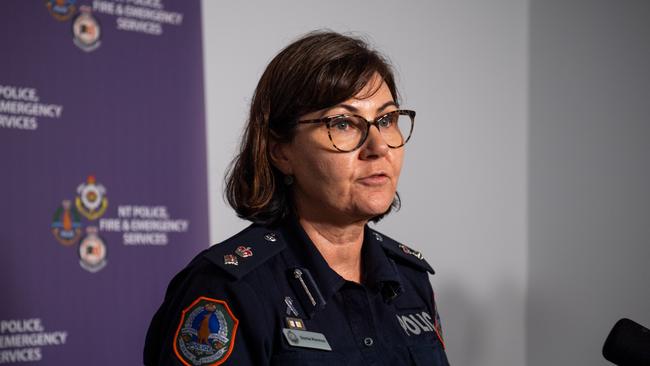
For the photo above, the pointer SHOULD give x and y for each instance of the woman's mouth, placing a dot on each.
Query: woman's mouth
(376, 179)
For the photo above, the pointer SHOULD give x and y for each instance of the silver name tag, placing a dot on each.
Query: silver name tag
(305, 339)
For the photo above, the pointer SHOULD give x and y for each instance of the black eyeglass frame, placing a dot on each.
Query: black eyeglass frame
(375, 122)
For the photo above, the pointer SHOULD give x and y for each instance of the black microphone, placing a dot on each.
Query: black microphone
(628, 344)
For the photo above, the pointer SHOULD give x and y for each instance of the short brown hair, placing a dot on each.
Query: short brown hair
(317, 71)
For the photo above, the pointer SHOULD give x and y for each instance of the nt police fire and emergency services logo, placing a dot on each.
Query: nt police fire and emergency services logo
(86, 30)
(91, 199)
(92, 251)
(68, 227)
(61, 10)
(206, 333)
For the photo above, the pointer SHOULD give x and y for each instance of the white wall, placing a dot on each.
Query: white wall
(589, 176)
(462, 65)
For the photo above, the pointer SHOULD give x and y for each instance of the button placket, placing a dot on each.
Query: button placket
(361, 322)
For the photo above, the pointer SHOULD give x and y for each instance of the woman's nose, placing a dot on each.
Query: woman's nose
(374, 146)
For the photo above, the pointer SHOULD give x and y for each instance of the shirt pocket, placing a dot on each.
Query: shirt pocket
(428, 355)
(308, 358)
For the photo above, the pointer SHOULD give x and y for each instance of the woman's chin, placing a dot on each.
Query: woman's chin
(373, 209)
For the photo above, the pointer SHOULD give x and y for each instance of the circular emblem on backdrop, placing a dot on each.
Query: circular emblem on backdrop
(91, 201)
(66, 224)
(61, 10)
(92, 251)
(86, 30)
(206, 333)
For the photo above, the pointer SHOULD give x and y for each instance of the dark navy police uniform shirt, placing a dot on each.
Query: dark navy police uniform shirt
(267, 297)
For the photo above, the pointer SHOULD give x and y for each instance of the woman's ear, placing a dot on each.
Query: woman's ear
(280, 156)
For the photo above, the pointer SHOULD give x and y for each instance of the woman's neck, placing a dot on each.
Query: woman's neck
(339, 245)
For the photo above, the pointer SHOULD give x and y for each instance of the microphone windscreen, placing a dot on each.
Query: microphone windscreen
(628, 344)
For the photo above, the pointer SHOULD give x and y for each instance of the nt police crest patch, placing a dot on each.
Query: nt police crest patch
(206, 333)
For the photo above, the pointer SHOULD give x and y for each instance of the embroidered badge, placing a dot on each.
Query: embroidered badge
(412, 252)
(230, 259)
(206, 333)
(244, 252)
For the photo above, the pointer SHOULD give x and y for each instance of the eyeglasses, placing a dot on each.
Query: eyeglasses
(348, 132)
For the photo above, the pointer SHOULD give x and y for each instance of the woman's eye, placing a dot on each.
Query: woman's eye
(385, 122)
(341, 125)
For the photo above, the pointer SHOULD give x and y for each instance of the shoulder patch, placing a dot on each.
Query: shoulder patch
(247, 250)
(206, 333)
(401, 251)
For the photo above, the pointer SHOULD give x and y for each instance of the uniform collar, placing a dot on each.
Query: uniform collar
(379, 272)
(307, 256)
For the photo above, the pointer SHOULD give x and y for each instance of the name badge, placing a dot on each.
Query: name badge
(305, 339)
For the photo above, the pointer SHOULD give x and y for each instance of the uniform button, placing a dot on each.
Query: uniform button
(368, 341)
(271, 237)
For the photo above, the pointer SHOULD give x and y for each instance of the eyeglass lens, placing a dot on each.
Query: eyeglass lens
(348, 132)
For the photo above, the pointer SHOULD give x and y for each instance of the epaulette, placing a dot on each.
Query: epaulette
(401, 252)
(246, 250)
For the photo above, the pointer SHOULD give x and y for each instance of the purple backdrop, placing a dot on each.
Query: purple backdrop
(111, 90)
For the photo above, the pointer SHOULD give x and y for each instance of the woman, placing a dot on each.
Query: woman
(309, 283)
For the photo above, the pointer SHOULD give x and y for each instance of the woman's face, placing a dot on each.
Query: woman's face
(343, 186)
